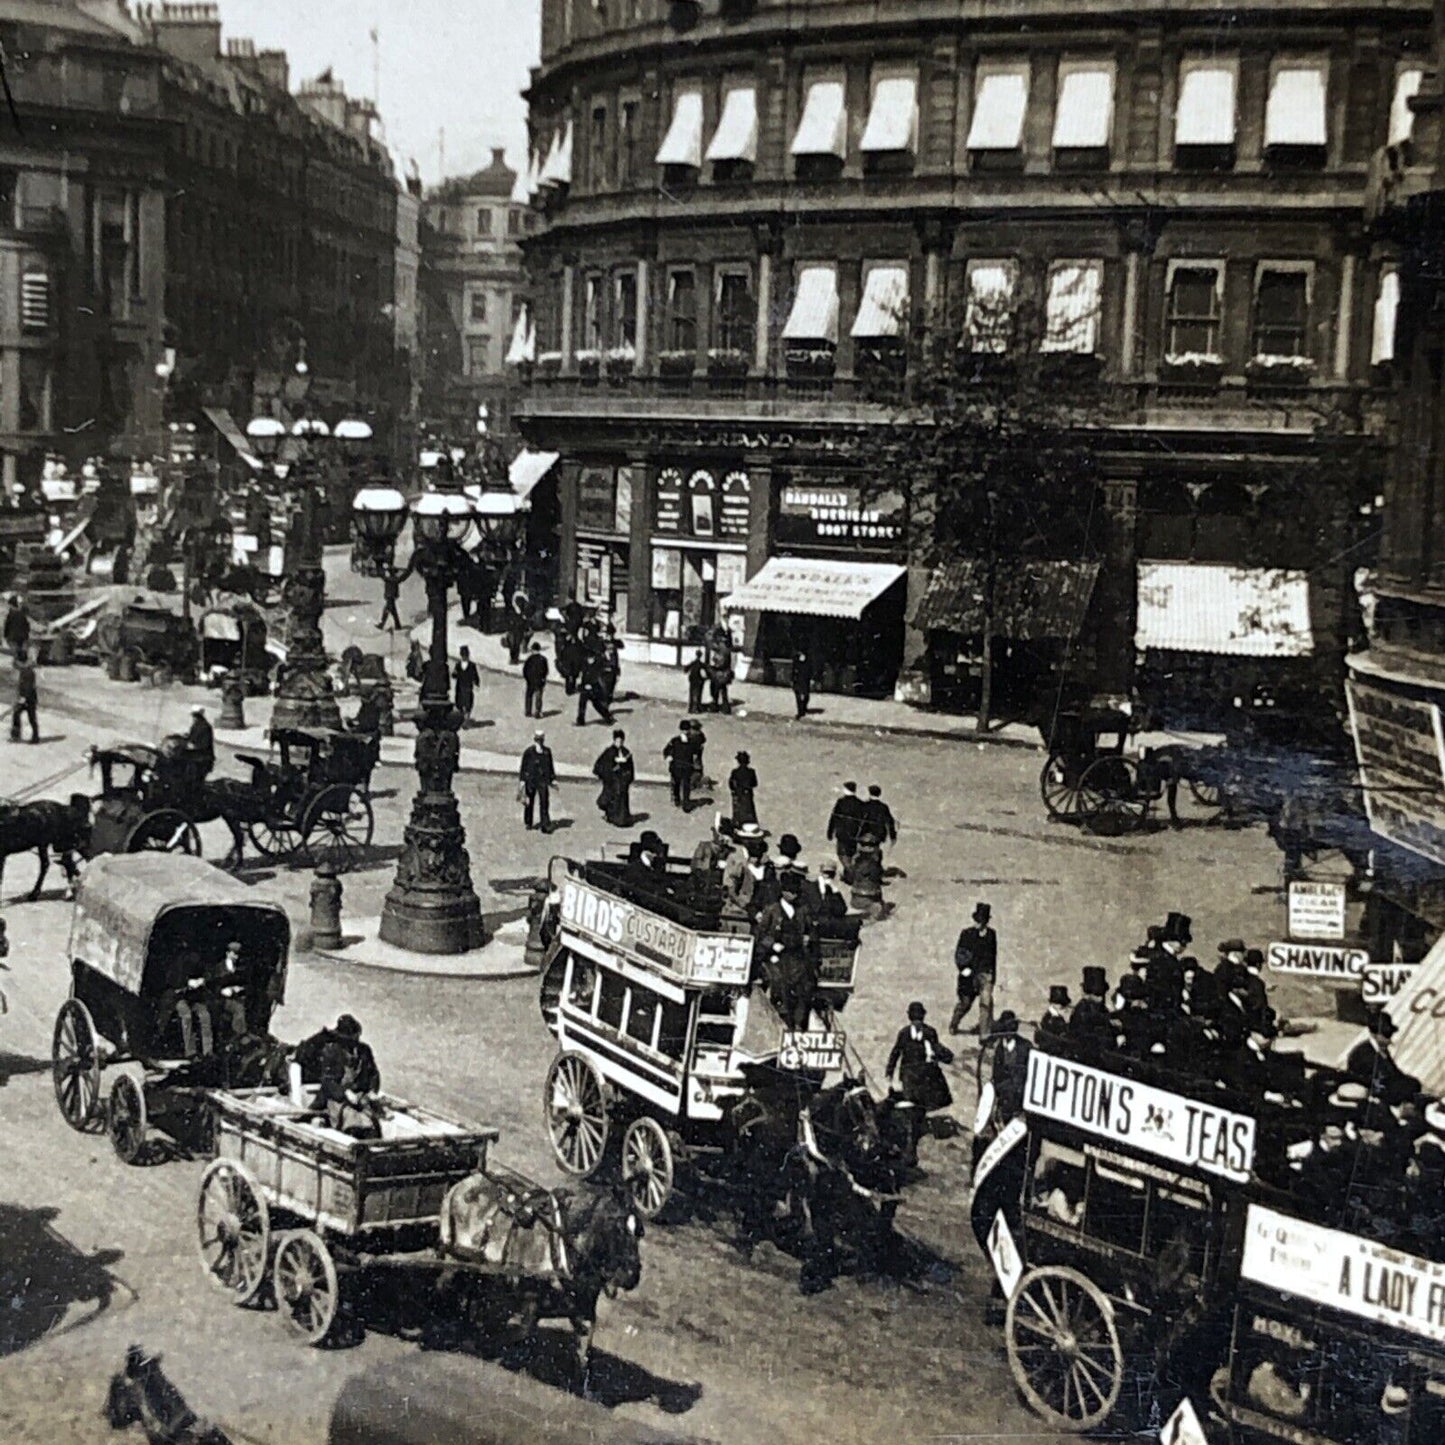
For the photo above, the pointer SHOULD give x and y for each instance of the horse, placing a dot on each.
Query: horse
(551, 1254)
(43, 825)
(140, 1394)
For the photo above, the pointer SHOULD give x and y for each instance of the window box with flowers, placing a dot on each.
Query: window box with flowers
(676, 364)
(1280, 370)
(810, 362)
(621, 363)
(589, 364)
(1192, 368)
(727, 361)
(549, 363)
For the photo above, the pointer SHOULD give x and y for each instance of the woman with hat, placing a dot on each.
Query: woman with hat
(743, 785)
(916, 1056)
(615, 770)
(749, 884)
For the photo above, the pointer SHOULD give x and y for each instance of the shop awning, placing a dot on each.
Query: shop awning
(815, 587)
(682, 145)
(893, 119)
(736, 136)
(1295, 113)
(814, 316)
(527, 469)
(1205, 113)
(998, 111)
(1071, 321)
(225, 423)
(823, 129)
(1216, 608)
(557, 171)
(1085, 112)
(523, 345)
(1387, 309)
(1402, 118)
(1033, 600)
(883, 311)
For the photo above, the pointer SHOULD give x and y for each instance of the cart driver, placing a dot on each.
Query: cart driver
(201, 743)
(192, 1007)
(344, 1070)
(228, 991)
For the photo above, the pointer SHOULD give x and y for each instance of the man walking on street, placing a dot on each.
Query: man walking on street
(17, 627)
(843, 824)
(696, 673)
(975, 957)
(467, 677)
(802, 680)
(538, 774)
(25, 698)
(592, 689)
(391, 593)
(679, 755)
(878, 817)
(534, 676)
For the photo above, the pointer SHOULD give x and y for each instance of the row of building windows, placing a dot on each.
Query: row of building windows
(1083, 126)
(1283, 311)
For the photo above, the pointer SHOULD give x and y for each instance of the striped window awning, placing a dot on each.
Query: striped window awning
(1084, 116)
(815, 587)
(682, 145)
(1072, 315)
(893, 117)
(823, 129)
(1034, 600)
(1205, 113)
(1224, 610)
(1402, 118)
(1295, 113)
(883, 311)
(35, 301)
(814, 316)
(736, 136)
(998, 110)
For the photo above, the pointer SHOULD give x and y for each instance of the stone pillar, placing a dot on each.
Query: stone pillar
(639, 581)
(1129, 328)
(761, 478)
(644, 311)
(1345, 318)
(565, 342)
(761, 340)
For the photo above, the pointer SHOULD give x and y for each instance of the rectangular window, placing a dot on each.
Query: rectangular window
(681, 311)
(814, 317)
(624, 310)
(1205, 114)
(597, 149)
(1071, 321)
(682, 145)
(34, 399)
(1195, 304)
(627, 121)
(1281, 312)
(736, 310)
(893, 117)
(823, 128)
(988, 321)
(592, 315)
(1387, 309)
(1296, 114)
(1084, 115)
(642, 1015)
(672, 1032)
(477, 306)
(883, 310)
(736, 136)
(611, 998)
(479, 355)
(1000, 102)
(1402, 118)
(484, 222)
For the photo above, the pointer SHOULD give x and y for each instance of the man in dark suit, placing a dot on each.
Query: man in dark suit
(975, 959)
(802, 680)
(878, 817)
(1090, 1024)
(843, 825)
(679, 754)
(1010, 1072)
(1371, 1062)
(916, 1055)
(1055, 1021)
(534, 680)
(538, 775)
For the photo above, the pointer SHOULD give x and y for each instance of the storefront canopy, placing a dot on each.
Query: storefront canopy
(1032, 601)
(1232, 611)
(814, 587)
(527, 469)
(225, 423)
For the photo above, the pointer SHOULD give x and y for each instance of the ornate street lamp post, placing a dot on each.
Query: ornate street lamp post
(432, 906)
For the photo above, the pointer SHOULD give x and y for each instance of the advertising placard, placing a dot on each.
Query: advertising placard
(1317, 911)
(1188, 1132)
(1320, 960)
(839, 514)
(736, 504)
(1344, 1272)
(667, 513)
(812, 1049)
(1380, 982)
(1400, 746)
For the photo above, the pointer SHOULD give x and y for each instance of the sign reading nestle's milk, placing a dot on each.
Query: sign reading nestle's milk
(1317, 910)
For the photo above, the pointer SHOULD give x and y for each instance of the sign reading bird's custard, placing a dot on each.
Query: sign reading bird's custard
(1183, 1131)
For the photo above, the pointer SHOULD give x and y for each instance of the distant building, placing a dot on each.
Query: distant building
(472, 256)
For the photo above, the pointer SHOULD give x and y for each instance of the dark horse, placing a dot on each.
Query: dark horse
(42, 826)
(140, 1394)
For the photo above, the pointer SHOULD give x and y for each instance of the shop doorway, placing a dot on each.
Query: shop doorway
(699, 594)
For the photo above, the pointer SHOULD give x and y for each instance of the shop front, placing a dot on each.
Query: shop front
(603, 561)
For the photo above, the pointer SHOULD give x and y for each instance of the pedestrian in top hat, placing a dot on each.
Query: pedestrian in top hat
(1372, 1062)
(537, 776)
(1055, 1021)
(592, 688)
(843, 825)
(975, 960)
(698, 738)
(916, 1056)
(696, 676)
(201, 742)
(534, 680)
(1089, 1023)
(467, 679)
(878, 816)
(1010, 1069)
(742, 786)
(679, 754)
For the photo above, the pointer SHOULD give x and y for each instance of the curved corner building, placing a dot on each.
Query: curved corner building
(742, 203)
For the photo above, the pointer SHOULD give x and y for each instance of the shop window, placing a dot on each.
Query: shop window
(1195, 306)
(604, 499)
(1281, 312)
(736, 317)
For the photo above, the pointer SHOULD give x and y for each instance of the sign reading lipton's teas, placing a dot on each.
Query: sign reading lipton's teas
(621, 926)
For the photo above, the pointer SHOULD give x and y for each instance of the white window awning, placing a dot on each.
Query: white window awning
(527, 469)
(1295, 114)
(893, 117)
(558, 168)
(1205, 113)
(1402, 118)
(998, 109)
(1387, 309)
(1224, 610)
(823, 129)
(814, 587)
(1071, 320)
(988, 316)
(518, 350)
(1084, 116)
(522, 187)
(883, 311)
(736, 136)
(682, 145)
(814, 316)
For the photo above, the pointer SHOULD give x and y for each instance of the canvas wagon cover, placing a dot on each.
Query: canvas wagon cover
(506, 1222)
(122, 895)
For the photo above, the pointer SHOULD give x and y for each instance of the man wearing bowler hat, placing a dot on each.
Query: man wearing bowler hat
(975, 958)
(1371, 1061)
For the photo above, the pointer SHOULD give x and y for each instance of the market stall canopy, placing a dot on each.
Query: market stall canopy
(1033, 600)
(1217, 608)
(1419, 1046)
(815, 587)
(225, 423)
(527, 469)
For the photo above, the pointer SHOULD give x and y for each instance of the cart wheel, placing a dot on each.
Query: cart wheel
(75, 1065)
(233, 1227)
(275, 838)
(165, 831)
(307, 1290)
(1063, 1347)
(1059, 786)
(338, 827)
(126, 1119)
(1110, 799)
(647, 1165)
(575, 1106)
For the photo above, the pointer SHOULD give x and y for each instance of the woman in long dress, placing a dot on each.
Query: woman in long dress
(743, 785)
(615, 771)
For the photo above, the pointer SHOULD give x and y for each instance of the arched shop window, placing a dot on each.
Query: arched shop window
(702, 504)
(1224, 523)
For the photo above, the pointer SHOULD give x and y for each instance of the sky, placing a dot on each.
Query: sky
(452, 65)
